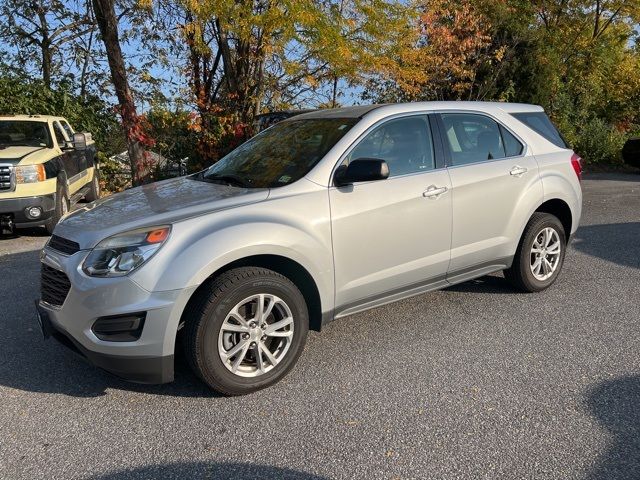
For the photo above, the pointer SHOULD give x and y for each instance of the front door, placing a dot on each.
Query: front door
(69, 158)
(391, 236)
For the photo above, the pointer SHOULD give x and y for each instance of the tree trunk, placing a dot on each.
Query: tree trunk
(46, 64)
(85, 66)
(108, 24)
(45, 46)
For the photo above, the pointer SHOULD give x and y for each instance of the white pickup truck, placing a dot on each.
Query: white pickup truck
(45, 167)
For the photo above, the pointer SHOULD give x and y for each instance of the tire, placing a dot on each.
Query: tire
(94, 188)
(521, 274)
(61, 208)
(208, 316)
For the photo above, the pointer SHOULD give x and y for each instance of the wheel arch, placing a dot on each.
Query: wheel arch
(283, 265)
(560, 209)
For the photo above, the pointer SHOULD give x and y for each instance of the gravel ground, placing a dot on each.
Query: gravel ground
(476, 381)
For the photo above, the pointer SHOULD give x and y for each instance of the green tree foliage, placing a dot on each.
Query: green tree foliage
(576, 58)
(241, 52)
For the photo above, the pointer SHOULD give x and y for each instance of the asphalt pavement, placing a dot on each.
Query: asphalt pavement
(476, 381)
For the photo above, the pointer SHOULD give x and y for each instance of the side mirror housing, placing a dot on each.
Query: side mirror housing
(80, 140)
(361, 170)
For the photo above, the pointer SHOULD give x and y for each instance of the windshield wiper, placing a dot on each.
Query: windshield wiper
(228, 178)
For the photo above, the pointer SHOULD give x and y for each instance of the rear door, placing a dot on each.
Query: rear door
(490, 171)
(394, 235)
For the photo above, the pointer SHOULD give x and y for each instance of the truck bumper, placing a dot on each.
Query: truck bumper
(16, 209)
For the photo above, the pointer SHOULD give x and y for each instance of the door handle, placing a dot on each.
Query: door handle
(518, 171)
(434, 192)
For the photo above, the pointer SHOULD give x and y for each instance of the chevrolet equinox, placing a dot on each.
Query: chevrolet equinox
(320, 216)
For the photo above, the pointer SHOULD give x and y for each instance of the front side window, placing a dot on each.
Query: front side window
(57, 130)
(477, 138)
(404, 143)
(67, 128)
(279, 155)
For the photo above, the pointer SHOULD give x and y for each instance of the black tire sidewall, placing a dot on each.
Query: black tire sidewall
(532, 283)
(212, 370)
(94, 192)
(57, 211)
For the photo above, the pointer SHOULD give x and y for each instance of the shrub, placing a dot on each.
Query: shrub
(599, 142)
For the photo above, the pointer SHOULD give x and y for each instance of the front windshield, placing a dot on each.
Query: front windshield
(24, 133)
(279, 155)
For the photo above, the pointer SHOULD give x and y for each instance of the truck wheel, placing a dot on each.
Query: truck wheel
(61, 209)
(94, 188)
(540, 254)
(245, 330)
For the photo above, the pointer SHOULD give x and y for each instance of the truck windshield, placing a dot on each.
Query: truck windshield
(24, 133)
(279, 155)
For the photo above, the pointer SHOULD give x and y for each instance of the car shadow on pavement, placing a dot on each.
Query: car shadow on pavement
(33, 364)
(197, 470)
(24, 232)
(615, 242)
(616, 405)
(494, 283)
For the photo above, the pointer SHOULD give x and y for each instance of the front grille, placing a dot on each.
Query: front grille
(54, 286)
(68, 247)
(5, 177)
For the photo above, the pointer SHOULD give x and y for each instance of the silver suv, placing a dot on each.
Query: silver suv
(320, 216)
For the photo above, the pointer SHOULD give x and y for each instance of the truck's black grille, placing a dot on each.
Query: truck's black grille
(54, 285)
(68, 247)
(5, 177)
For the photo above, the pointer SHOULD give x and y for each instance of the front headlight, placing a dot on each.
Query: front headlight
(123, 253)
(30, 173)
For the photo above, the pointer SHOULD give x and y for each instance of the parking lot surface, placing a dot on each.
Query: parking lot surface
(476, 381)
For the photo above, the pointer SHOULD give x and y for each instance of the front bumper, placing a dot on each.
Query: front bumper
(16, 209)
(148, 359)
(151, 370)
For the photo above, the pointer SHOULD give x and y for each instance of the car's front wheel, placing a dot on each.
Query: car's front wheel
(540, 254)
(60, 210)
(245, 330)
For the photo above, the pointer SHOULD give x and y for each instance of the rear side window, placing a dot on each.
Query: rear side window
(512, 145)
(540, 123)
(472, 138)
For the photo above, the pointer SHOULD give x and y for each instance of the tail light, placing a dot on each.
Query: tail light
(576, 163)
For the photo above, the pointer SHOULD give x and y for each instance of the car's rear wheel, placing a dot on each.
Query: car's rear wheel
(540, 254)
(245, 330)
(60, 210)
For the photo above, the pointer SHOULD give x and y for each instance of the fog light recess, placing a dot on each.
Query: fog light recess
(119, 328)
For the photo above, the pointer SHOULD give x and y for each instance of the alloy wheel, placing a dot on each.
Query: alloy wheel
(256, 335)
(545, 253)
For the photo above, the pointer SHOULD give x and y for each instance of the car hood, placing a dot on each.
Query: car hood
(15, 154)
(154, 204)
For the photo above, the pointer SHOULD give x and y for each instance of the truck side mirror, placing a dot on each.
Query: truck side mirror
(80, 141)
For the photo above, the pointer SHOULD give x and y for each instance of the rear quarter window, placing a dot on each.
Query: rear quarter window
(540, 123)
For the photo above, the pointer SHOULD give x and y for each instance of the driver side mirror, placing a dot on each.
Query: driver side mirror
(80, 140)
(361, 170)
